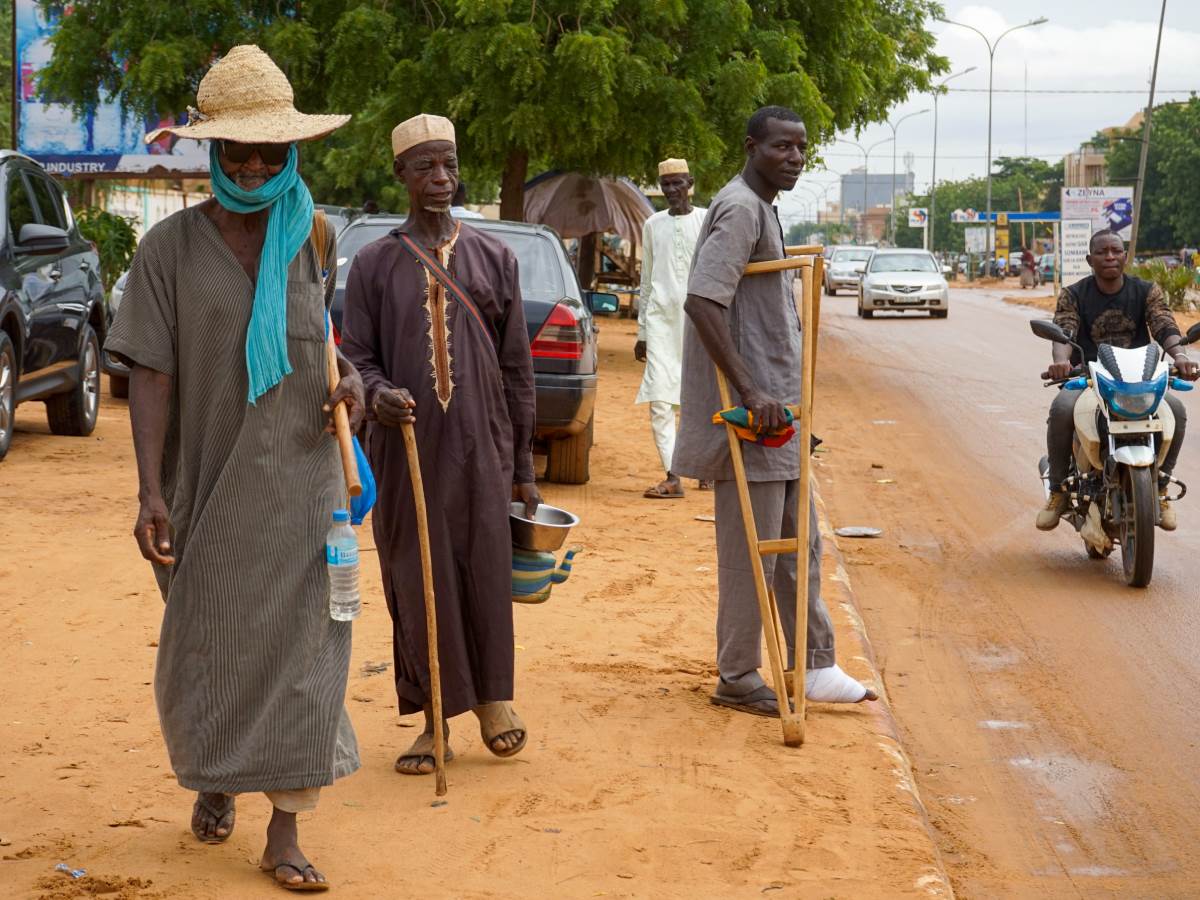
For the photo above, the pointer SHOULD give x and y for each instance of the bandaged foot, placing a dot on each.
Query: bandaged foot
(831, 685)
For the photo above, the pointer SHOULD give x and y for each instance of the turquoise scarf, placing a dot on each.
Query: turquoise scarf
(289, 224)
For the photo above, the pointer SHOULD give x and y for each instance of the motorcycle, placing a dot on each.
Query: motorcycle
(1122, 433)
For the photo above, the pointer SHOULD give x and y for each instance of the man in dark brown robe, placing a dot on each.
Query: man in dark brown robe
(452, 359)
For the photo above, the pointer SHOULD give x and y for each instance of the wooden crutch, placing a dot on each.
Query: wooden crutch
(435, 672)
(793, 727)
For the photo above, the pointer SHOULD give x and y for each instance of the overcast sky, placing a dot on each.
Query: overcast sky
(1085, 45)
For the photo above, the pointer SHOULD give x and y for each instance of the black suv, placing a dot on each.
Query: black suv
(562, 333)
(52, 310)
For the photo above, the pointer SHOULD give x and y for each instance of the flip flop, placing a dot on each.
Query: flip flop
(273, 871)
(658, 492)
(496, 720)
(218, 814)
(759, 702)
(421, 750)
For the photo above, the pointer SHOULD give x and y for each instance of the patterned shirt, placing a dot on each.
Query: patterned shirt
(1128, 318)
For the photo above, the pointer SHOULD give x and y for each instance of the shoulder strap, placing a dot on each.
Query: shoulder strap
(447, 281)
(320, 241)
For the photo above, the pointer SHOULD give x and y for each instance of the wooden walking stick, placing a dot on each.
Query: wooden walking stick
(341, 422)
(435, 672)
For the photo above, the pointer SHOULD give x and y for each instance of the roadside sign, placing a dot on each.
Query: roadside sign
(1076, 233)
(976, 237)
(1103, 207)
(918, 217)
(1002, 219)
(966, 215)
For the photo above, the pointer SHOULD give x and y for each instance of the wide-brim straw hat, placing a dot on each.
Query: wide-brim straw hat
(246, 98)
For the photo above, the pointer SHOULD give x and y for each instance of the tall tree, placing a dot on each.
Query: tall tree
(600, 86)
(6, 74)
(1171, 195)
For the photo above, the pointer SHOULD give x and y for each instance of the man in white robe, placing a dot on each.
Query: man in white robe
(668, 242)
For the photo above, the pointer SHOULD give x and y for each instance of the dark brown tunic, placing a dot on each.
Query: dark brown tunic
(475, 417)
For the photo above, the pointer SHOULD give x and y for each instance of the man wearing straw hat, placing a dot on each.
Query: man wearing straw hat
(223, 323)
(748, 326)
(668, 241)
(434, 321)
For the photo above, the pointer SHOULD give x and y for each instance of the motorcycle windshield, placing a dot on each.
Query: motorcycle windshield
(1132, 399)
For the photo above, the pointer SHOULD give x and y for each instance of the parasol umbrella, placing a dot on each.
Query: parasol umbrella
(576, 205)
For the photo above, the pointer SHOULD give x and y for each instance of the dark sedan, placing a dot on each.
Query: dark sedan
(562, 333)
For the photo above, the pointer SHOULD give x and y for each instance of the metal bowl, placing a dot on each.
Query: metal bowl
(547, 531)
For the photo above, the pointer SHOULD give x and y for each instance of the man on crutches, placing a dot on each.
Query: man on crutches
(749, 327)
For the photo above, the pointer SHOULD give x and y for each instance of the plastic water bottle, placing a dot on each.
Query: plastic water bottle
(341, 555)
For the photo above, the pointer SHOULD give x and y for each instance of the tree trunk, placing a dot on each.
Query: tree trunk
(585, 266)
(512, 186)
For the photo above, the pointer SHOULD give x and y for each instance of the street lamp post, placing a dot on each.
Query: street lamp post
(892, 205)
(933, 180)
(866, 152)
(991, 45)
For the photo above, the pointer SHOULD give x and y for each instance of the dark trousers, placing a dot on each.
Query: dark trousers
(1060, 429)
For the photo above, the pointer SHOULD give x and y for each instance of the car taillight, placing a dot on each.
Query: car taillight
(560, 337)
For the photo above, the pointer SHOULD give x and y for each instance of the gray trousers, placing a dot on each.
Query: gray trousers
(739, 626)
(1060, 432)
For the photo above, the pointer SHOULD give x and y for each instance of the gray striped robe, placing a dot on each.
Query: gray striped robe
(251, 673)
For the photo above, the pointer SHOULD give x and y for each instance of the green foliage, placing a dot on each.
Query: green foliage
(600, 86)
(6, 75)
(1171, 196)
(829, 232)
(1175, 283)
(1016, 182)
(114, 237)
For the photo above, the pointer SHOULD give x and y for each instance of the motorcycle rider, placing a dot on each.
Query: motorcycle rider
(1109, 307)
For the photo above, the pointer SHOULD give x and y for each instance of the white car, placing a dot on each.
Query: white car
(900, 279)
(844, 268)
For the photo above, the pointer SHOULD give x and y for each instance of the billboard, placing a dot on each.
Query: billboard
(107, 139)
(918, 217)
(1104, 207)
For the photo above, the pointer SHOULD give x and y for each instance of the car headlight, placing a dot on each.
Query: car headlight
(1132, 399)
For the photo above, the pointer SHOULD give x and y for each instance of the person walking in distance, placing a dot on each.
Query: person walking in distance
(668, 242)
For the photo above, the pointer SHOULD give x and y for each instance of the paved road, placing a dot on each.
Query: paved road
(1048, 706)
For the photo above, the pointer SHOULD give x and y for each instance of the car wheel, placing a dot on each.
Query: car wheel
(939, 313)
(868, 313)
(8, 389)
(118, 386)
(74, 413)
(567, 458)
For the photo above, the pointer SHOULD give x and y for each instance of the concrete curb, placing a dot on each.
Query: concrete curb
(838, 593)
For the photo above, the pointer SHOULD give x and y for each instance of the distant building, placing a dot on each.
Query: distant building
(1085, 167)
(879, 188)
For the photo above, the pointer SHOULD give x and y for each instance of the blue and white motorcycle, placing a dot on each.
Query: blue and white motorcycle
(1123, 430)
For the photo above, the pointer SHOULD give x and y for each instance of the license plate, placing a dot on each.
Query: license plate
(907, 299)
(1142, 426)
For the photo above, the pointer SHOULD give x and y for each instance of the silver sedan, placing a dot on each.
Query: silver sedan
(900, 279)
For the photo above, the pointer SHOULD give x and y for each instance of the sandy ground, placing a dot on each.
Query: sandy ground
(1043, 702)
(632, 784)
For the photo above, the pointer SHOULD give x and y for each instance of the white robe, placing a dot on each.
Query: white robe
(668, 243)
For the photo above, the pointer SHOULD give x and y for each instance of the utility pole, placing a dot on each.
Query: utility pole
(1141, 175)
(992, 45)
(892, 202)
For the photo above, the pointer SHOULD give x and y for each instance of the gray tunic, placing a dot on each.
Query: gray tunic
(740, 227)
(251, 673)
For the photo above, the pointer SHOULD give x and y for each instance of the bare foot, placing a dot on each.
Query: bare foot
(418, 759)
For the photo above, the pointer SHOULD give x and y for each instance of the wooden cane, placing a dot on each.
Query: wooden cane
(341, 422)
(435, 672)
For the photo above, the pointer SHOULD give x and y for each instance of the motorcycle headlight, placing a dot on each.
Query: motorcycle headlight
(1132, 399)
